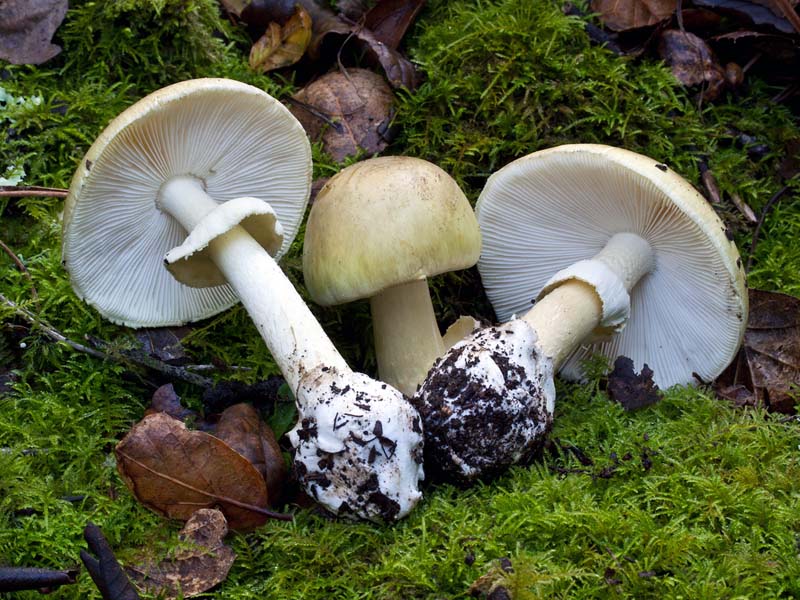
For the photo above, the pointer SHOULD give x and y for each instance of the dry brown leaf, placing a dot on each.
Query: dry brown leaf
(174, 472)
(26, 28)
(767, 370)
(632, 390)
(357, 106)
(191, 570)
(399, 71)
(166, 400)
(779, 14)
(281, 46)
(389, 20)
(622, 15)
(692, 62)
(242, 429)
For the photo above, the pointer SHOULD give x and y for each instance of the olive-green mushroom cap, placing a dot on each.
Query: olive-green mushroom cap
(383, 222)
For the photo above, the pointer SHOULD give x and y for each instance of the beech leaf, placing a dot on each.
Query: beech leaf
(281, 46)
(26, 28)
(692, 62)
(390, 19)
(194, 569)
(175, 471)
(242, 429)
(632, 390)
(348, 112)
(622, 15)
(767, 370)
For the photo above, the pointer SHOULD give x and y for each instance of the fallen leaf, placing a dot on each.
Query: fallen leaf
(26, 28)
(282, 45)
(630, 389)
(389, 20)
(164, 343)
(166, 400)
(779, 14)
(234, 7)
(400, 72)
(766, 371)
(194, 569)
(242, 429)
(692, 62)
(358, 106)
(353, 9)
(174, 472)
(622, 15)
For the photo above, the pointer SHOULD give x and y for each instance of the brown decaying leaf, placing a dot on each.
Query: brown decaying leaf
(281, 46)
(622, 15)
(389, 20)
(26, 28)
(174, 472)
(164, 343)
(242, 429)
(234, 7)
(358, 102)
(767, 370)
(779, 14)
(692, 62)
(632, 390)
(399, 71)
(166, 400)
(193, 570)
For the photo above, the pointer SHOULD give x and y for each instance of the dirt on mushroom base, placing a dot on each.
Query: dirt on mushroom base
(487, 404)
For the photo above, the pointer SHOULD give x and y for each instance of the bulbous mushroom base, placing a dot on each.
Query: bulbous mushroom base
(358, 445)
(486, 404)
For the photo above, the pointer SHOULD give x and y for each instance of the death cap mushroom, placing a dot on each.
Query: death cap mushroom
(378, 230)
(237, 141)
(545, 215)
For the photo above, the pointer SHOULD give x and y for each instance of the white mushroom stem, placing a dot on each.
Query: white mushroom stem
(568, 314)
(407, 338)
(358, 442)
(295, 338)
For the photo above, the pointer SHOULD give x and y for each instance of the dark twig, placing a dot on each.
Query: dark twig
(22, 268)
(103, 567)
(15, 579)
(767, 208)
(24, 191)
(104, 353)
(317, 113)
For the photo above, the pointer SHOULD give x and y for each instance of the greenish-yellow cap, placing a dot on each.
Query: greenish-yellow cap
(386, 221)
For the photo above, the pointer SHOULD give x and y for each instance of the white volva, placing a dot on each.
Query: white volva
(358, 442)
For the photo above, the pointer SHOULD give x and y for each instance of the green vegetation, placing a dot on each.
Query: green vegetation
(689, 498)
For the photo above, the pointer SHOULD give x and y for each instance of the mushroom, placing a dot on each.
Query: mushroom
(229, 165)
(622, 257)
(377, 230)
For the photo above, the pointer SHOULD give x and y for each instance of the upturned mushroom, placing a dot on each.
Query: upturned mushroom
(622, 257)
(229, 165)
(378, 230)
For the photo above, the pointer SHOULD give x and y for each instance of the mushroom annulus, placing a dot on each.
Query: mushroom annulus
(228, 165)
(622, 256)
(378, 229)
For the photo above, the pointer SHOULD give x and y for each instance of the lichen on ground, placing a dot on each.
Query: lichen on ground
(687, 498)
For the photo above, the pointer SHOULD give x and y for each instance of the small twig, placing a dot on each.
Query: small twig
(138, 358)
(767, 207)
(16, 579)
(744, 208)
(317, 113)
(23, 191)
(22, 268)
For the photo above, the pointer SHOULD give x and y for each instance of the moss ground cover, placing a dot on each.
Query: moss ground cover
(689, 498)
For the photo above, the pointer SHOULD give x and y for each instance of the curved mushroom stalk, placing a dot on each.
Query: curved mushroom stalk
(663, 252)
(358, 442)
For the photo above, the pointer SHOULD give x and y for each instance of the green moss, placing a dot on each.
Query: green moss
(689, 498)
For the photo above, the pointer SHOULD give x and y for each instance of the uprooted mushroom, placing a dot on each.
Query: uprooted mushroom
(621, 257)
(229, 165)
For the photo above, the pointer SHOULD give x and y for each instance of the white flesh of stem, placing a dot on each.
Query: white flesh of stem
(294, 337)
(566, 316)
(407, 338)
